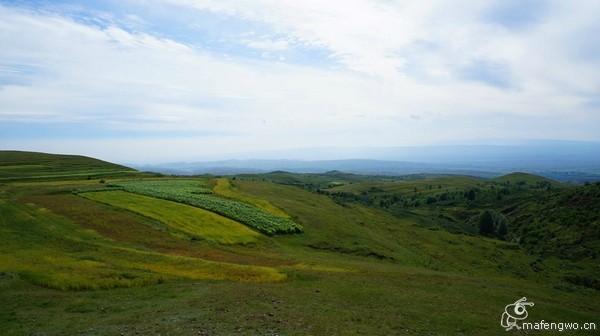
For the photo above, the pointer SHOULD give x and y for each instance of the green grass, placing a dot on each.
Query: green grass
(191, 220)
(374, 300)
(165, 187)
(70, 265)
(355, 230)
(410, 187)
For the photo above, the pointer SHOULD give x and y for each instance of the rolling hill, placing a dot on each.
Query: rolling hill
(377, 255)
(16, 165)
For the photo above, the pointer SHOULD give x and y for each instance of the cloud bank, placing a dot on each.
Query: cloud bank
(151, 81)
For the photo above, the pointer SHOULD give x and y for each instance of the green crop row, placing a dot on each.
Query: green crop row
(183, 187)
(191, 193)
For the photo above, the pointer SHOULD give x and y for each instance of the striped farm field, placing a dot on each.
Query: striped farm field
(191, 220)
(195, 195)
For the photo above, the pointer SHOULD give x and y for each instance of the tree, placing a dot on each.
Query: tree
(491, 223)
(471, 195)
(486, 223)
(502, 229)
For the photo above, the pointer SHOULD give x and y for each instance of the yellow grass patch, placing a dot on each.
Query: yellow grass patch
(185, 218)
(321, 268)
(224, 188)
(201, 269)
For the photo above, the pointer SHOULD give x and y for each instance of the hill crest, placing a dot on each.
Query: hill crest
(32, 165)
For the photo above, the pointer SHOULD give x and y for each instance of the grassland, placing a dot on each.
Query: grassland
(70, 265)
(196, 222)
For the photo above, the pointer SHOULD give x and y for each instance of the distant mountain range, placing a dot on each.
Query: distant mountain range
(560, 160)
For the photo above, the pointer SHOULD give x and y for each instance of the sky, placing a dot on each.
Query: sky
(148, 81)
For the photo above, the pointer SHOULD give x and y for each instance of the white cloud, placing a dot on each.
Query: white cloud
(379, 38)
(401, 81)
(268, 44)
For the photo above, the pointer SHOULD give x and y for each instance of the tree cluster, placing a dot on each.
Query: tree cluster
(491, 223)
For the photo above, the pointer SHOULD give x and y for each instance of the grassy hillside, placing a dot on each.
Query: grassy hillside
(116, 263)
(19, 165)
(554, 223)
(563, 224)
(524, 179)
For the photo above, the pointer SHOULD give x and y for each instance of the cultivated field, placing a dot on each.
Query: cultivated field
(187, 192)
(198, 223)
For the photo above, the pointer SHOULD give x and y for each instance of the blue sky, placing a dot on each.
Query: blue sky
(146, 81)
